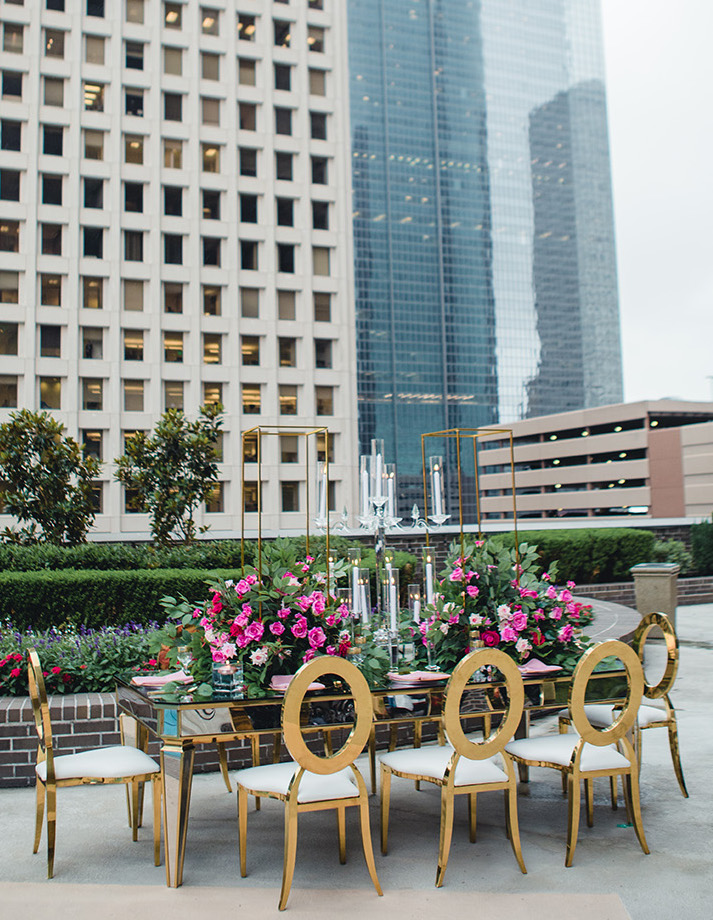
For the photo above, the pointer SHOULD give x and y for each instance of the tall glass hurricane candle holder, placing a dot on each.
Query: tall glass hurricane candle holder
(364, 579)
(414, 602)
(428, 575)
(435, 471)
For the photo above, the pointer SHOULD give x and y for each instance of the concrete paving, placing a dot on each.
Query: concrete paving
(99, 869)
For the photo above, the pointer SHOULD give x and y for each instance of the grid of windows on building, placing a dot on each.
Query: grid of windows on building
(172, 222)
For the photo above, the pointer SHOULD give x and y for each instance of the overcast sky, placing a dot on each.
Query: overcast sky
(660, 96)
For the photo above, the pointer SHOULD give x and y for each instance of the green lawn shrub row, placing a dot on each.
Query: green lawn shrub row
(702, 547)
(39, 600)
(590, 556)
(209, 554)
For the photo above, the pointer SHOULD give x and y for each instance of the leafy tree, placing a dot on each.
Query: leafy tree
(173, 471)
(47, 480)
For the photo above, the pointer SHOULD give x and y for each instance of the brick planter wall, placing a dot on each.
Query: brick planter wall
(85, 720)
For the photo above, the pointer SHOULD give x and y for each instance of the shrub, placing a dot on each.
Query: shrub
(590, 556)
(40, 600)
(702, 547)
(213, 554)
(673, 551)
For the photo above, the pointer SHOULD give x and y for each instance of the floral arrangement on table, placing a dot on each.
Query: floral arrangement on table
(480, 598)
(271, 620)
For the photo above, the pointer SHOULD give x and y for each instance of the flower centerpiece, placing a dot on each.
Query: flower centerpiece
(485, 594)
(270, 620)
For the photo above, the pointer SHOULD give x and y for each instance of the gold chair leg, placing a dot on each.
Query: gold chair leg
(288, 870)
(614, 793)
(223, 761)
(631, 786)
(40, 813)
(513, 825)
(564, 783)
(573, 793)
(243, 829)
(156, 799)
(441, 735)
(342, 833)
(372, 759)
(51, 794)
(417, 737)
(385, 800)
(327, 739)
(472, 814)
(676, 756)
(135, 810)
(393, 733)
(366, 837)
(255, 750)
(589, 791)
(446, 833)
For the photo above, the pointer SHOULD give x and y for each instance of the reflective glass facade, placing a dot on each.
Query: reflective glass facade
(483, 232)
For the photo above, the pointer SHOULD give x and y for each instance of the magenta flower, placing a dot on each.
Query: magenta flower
(519, 621)
(304, 603)
(566, 633)
(456, 574)
(277, 629)
(254, 630)
(242, 587)
(284, 612)
(316, 637)
(299, 630)
(472, 591)
(330, 650)
(556, 613)
(247, 610)
(490, 637)
(551, 593)
(508, 634)
(308, 655)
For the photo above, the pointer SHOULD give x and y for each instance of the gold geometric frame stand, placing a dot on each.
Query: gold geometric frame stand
(271, 430)
(473, 434)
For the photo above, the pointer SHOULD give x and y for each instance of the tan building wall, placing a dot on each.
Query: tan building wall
(649, 458)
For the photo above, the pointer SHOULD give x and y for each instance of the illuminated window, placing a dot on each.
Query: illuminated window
(173, 347)
(51, 290)
(133, 395)
(92, 293)
(133, 345)
(250, 350)
(92, 394)
(50, 393)
(211, 348)
(251, 398)
(287, 395)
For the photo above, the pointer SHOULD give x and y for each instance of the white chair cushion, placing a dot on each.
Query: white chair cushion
(601, 714)
(101, 763)
(314, 787)
(558, 749)
(433, 760)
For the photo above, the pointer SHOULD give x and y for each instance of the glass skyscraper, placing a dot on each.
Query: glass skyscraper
(485, 268)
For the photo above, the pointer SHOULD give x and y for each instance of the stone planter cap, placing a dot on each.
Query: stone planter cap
(655, 568)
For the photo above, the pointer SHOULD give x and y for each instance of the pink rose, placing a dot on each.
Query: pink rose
(299, 630)
(457, 574)
(556, 613)
(519, 621)
(308, 655)
(490, 638)
(566, 633)
(254, 631)
(304, 603)
(242, 586)
(247, 610)
(472, 591)
(283, 612)
(277, 629)
(565, 596)
(508, 634)
(539, 614)
(316, 637)
(251, 579)
(330, 650)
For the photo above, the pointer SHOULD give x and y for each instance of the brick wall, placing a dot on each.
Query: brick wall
(85, 720)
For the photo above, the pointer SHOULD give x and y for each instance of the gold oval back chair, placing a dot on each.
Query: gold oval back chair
(602, 715)
(309, 782)
(97, 767)
(463, 767)
(592, 752)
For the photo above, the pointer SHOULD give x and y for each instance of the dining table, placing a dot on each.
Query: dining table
(413, 700)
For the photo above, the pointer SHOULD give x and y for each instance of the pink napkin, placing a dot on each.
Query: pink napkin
(417, 677)
(158, 680)
(281, 682)
(535, 666)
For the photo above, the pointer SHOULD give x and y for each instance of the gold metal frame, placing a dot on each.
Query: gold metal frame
(306, 761)
(47, 789)
(464, 747)
(617, 733)
(473, 434)
(300, 431)
(660, 690)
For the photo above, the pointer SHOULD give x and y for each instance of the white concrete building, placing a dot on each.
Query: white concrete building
(175, 229)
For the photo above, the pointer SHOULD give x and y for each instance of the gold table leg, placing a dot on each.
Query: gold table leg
(177, 775)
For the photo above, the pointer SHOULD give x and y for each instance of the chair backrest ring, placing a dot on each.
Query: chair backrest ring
(647, 623)
(462, 673)
(292, 706)
(635, 683)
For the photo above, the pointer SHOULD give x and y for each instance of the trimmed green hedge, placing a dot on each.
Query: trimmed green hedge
(702, 547)
(590, 556)
(213, 554)
(39, 600)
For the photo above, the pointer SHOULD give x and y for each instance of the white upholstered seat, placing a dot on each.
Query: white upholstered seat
(558, 749)
(101, 763)
(275, 778)
(432, 762)
(601, 715)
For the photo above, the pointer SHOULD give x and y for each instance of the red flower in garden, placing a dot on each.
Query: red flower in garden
(56, 670)
(15, 672)
(490, 637)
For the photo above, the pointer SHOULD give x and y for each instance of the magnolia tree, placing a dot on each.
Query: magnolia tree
(48, 484)
(173, 471)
